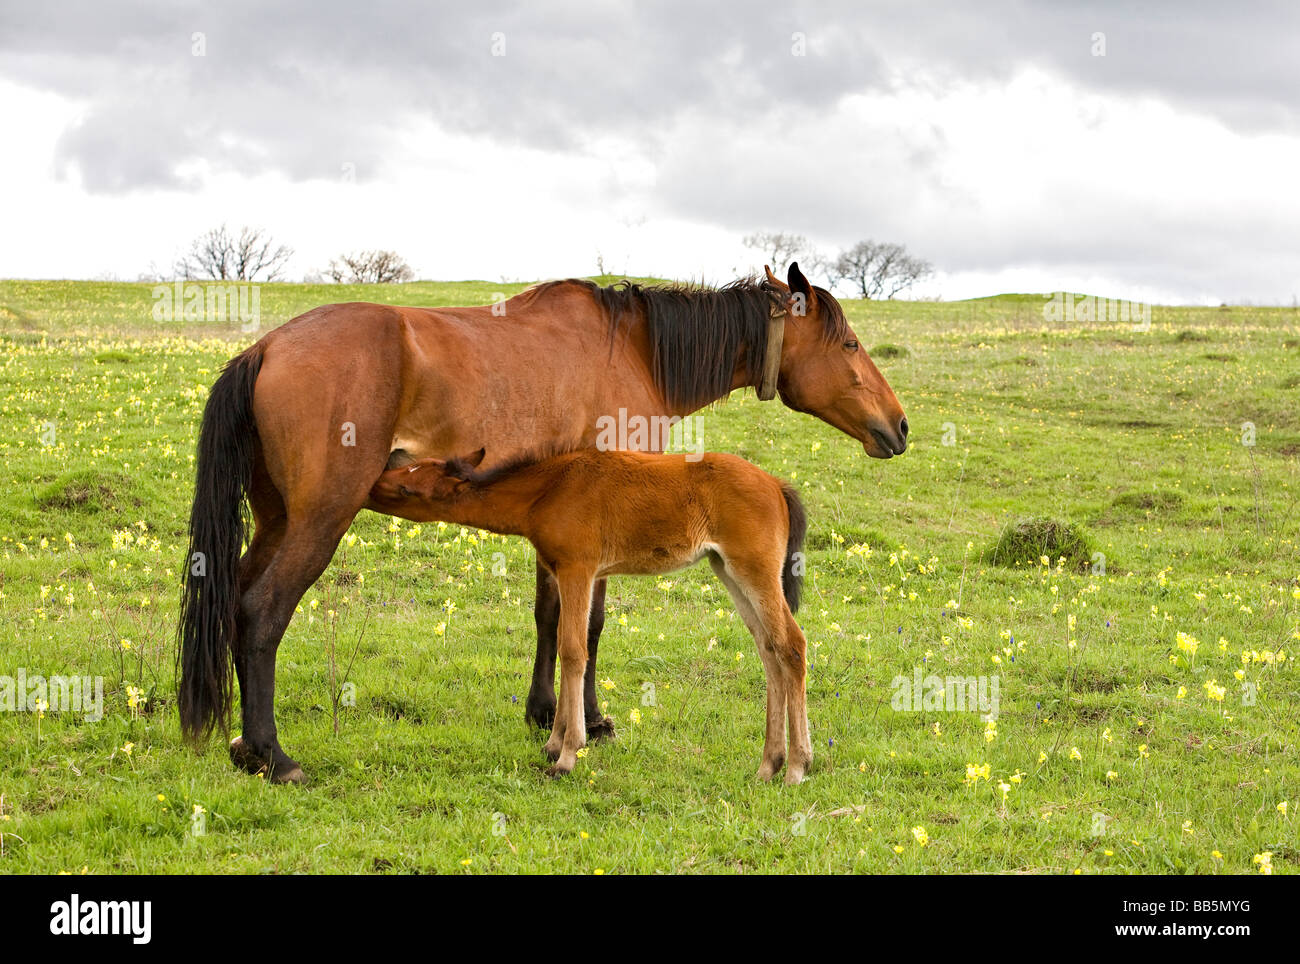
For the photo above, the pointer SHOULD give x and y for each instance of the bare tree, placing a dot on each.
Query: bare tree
(780, 247)
(880, 269)
(250, 256)
(370, 268)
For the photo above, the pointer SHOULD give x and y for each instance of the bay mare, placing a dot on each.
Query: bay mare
(302, 423)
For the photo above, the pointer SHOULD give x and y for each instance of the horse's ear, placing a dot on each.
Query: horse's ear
(475, 460)
(773, 278)
(798, 283)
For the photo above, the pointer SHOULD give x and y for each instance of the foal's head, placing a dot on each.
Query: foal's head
(422, 482)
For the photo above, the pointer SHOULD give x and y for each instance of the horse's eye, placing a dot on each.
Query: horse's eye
(851, 345)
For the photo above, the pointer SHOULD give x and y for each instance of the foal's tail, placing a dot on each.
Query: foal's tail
(792, 571)
(210, 594)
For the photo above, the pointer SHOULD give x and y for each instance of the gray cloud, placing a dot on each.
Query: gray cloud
(300, 88)
(738, 129)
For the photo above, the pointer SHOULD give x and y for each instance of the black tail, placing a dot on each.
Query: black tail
(210, 594)
(792, 571)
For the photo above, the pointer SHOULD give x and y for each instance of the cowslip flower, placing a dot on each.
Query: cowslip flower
(1188, 644)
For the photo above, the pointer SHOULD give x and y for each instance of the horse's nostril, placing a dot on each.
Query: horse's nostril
(902, 427)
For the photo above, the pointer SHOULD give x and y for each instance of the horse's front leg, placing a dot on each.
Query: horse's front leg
(599, 726)
(539, 709)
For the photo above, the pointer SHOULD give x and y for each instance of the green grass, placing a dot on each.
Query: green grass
(1132, 439)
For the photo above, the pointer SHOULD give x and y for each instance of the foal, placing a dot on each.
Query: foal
(592, 514)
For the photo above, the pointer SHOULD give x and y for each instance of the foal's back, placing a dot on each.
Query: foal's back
(635, 512)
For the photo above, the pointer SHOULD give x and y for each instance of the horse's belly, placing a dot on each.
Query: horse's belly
(655, 559)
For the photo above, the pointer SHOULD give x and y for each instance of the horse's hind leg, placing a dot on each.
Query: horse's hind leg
(774, 733)
(266, 608)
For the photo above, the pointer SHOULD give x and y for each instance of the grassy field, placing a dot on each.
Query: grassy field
(1147, 700)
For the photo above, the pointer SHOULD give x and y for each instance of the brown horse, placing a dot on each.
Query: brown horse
(303, 422)
(592, 514)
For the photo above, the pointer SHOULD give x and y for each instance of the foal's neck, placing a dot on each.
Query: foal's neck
(503, 505)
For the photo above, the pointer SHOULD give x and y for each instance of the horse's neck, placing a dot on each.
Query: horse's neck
(739, 376)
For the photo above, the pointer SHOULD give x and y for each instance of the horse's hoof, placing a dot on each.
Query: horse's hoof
(601, 728)
(559, 770)
(280, 769)
(540, 714)
(243, 757)
(552, 753)
(292, 773)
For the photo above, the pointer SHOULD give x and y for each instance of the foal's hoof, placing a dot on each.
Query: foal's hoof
(600, 728)
(278, 769)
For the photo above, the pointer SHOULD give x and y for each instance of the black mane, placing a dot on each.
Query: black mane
(698, 334)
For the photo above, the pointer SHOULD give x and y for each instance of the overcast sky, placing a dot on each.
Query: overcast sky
(1149, 151)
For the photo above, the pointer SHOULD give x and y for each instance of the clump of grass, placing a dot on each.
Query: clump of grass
(1028, 540)
(1187, 334)
(1219, 356)
(1149, 501)
(86, 490)
(109, 357)
(1291, 381)
(889, 350)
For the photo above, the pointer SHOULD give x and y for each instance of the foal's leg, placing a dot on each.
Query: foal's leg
(794, 653)
(774, 734)
(569, 734)
(797, 695)
(761, 583)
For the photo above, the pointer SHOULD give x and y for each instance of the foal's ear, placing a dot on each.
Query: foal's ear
(475, 460)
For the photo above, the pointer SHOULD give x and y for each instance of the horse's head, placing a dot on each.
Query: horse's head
(423, 482)
(826, 372)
